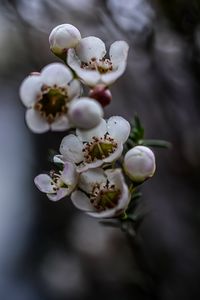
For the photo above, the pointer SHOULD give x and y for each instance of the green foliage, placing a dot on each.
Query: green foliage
(136, 137)
(137, 130)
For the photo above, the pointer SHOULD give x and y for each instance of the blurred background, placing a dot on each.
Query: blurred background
(51, 251)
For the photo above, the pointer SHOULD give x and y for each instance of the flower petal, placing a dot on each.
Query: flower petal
(111, 77)
(118, 53)
(118, 56)
(61, 124)
(88, 77)
(56, 74)
(98, 131)
(90, 47)
(30, 89)
(35, 122)
(116, 177)
(58, 159)
(69, 175)
(81, 201)
(118, 128)
(74, 89)
(88, 179)
(115, 155)
(61, 193)
(71, 148)
(43, 183)
(86, 166)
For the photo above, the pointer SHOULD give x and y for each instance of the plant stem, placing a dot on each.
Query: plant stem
(155, 143)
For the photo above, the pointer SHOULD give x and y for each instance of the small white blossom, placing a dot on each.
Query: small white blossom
(88, 60)
(63, 37)
(139, 163)
(58, 185)
(92, 148)
(102, 194)
(47, 97)
(85, 113)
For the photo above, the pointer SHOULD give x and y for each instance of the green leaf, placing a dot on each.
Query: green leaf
(137, 132)
(51, 154)
(155, 143)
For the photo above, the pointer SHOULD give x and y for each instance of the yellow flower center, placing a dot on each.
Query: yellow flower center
(105, 197)
(56, 181)
(52, 103)
(99, 148)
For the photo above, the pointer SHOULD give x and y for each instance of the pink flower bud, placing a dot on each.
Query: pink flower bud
(102, 94)
(139, 163)
(85, 113)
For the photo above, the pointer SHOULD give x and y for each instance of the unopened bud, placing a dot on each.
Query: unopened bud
(139, 163)
(102, 94)
(85, 113)
(63, 37)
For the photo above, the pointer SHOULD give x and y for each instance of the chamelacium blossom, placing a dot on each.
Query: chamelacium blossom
(101, 194)
(139, 163)
(63, 37)
(88, 60)
(57, 185)
(95, 147)
(47, 97)
(85, 112)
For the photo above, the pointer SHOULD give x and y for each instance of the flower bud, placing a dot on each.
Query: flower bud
(102, 94)
(63, 37)
(85, 113)
(139, 163)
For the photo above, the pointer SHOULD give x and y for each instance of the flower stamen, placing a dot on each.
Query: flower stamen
(99, 148)
(52, 102)
(103, 65)
(105, 197)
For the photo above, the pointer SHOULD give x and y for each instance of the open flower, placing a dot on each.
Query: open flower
(92, 148)
(139, 163)
(102, 194)
(58, 185)
(47, 97)
(89, 62)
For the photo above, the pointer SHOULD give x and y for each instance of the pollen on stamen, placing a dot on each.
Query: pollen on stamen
(52, 103)
(102, 65)
(104, 198)
(99, 148)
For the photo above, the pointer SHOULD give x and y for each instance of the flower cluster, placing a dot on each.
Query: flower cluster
(96, 166)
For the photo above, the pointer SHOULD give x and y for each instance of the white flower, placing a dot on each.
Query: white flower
(90, 64)
(92, 148)
(58, 185)
(139, 163)
(47, 97)
(102, 194)
(85, 113)
(63, 37)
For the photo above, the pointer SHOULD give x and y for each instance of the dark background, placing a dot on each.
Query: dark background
(51, 251)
